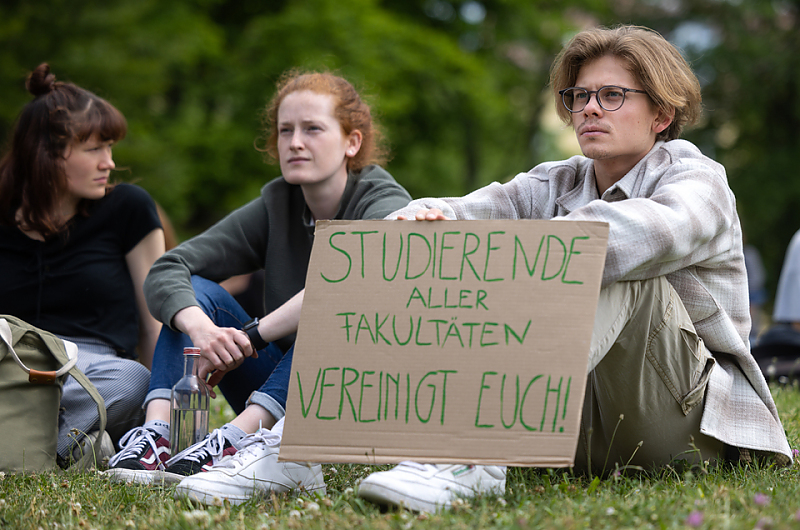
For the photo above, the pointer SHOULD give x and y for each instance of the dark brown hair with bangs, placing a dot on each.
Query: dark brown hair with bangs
(32, 177)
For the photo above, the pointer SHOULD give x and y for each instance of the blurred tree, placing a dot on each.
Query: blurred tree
(147, 57)
(460, 86)
(754, 122)
(460, 98)
(747, 57)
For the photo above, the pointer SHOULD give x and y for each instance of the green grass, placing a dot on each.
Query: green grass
(733, 497)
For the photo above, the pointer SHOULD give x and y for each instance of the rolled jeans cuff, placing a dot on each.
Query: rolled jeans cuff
(157, 393)
(256, 398)
(265, 401)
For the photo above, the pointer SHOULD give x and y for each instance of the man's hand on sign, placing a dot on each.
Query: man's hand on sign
(434, 214)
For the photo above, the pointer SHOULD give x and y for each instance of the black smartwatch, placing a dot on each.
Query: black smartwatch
(251, 328)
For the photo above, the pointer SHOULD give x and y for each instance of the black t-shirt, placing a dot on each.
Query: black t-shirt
(78, 284)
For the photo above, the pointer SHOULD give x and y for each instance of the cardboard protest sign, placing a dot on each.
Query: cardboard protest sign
(444, 342)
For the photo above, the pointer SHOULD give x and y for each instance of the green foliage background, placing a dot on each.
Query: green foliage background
(460, 87)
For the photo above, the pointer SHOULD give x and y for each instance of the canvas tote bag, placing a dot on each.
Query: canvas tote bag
(33, 366)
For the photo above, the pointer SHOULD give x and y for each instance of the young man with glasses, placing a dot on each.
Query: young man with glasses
(671, 376)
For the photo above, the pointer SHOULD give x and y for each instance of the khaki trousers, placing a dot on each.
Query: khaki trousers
(648, 372)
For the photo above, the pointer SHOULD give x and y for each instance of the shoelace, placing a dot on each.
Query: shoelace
(139, 437)
(213, 444)
(249, 443)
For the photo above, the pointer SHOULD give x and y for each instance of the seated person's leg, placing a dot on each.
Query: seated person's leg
(136, 461)
(646, 364)
(168, 363)
(255, 469)
(270, 371)
(121, 382)
(651, 370)
(236, 386)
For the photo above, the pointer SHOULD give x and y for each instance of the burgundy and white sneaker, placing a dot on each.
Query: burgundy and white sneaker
(198, 457)
(143, 453)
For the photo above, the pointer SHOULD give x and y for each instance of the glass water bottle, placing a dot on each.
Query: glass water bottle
(189, 405)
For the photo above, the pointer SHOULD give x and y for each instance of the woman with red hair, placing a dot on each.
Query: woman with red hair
(323, 136)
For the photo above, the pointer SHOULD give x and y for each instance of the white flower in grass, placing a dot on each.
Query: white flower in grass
(197, 516)
(458, 501)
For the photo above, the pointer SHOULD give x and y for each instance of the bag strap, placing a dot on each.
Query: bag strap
(88, 460)
(53, 344)
(37, 376)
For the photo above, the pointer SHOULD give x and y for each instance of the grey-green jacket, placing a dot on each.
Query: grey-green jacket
(273, 232)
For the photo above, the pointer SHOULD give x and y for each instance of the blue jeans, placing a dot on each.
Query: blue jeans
(263, 381)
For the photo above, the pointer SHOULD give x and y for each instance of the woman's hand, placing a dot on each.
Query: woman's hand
(221, 349)
(433, 214)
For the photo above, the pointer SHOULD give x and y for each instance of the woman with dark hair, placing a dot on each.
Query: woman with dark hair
(322, 134)
(74, 251)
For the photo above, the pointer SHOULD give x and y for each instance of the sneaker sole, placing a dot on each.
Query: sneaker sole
(217, 498)
(211, 499)
(135, 476)
(383, 496)
(172, 478)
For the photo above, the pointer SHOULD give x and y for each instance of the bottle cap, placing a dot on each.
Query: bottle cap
(191, 350)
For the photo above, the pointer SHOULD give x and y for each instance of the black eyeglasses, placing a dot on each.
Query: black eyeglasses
(610, 98)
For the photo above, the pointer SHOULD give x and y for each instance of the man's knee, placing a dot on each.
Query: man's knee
(636, 293)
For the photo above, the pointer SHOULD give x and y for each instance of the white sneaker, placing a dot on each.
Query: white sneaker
(86, 446)
(431, 487)
(253, 470)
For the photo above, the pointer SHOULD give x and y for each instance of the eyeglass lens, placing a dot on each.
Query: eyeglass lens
(609, 97)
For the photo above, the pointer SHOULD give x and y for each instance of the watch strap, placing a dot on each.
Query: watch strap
(251, 328)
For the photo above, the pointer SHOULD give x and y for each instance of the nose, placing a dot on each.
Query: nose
(107, 161)
(593, 107)
(296, 141)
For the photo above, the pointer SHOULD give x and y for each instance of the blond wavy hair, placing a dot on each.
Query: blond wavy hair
(656, 63)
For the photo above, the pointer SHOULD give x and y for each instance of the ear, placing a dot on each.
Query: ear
(67, 151)
(663, 121)
(353, 143)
